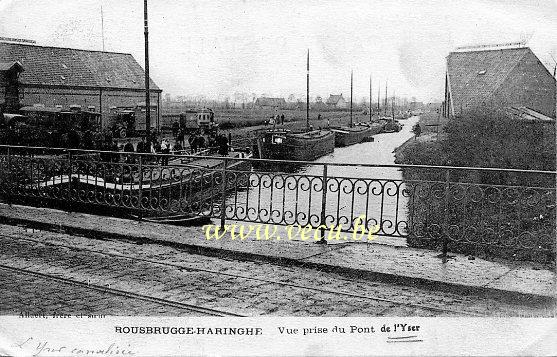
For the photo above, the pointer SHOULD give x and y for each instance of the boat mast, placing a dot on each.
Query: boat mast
(147, 89)
(370, 98)
(386, 99)
(351, 80)
(307, 94)
(379, 99)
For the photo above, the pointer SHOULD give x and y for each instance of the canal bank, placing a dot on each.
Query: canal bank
(526, 282)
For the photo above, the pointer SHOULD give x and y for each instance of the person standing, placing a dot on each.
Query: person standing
(165, 150)
(175, 129)
(180, 137)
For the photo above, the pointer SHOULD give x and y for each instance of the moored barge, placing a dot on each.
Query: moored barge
(287, 145)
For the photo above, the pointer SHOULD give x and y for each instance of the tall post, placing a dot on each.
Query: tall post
(379, 99)
(386, 99)
(307, 94)
(147, 84)
(370, 98)
(102, 26)
(351, 90)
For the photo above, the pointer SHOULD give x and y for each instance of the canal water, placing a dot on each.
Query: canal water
(377, 193)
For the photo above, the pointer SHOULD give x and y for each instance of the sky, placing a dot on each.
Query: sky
(221, 47)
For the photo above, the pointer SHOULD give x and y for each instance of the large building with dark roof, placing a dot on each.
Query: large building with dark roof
(64, 77)
(498, 78)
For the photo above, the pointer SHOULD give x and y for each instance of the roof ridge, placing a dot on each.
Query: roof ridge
(62, 48)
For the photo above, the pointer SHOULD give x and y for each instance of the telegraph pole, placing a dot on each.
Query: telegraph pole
(102, 26)
(351, 80)
(147, 84)
(307, 94)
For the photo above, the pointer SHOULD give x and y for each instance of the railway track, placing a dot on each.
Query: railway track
(118, 292)
(437, 309)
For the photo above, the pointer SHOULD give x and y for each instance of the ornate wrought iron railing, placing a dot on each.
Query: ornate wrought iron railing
(498, 211)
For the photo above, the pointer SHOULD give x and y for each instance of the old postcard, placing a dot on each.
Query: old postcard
(277, 178)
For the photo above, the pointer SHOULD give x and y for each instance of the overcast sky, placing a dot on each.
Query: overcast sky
(217, 48)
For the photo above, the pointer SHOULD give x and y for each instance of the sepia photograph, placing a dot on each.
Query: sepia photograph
(263, 159)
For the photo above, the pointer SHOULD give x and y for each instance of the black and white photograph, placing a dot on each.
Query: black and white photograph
(370, 161)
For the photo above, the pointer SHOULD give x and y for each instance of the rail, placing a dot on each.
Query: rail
(504, 212)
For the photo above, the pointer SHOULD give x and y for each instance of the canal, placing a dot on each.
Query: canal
(352, 191)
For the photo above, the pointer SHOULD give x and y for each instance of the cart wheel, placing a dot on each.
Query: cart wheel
(123, 133)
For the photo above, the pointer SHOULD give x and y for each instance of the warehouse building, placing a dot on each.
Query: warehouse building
(497, 77)
(65, 77)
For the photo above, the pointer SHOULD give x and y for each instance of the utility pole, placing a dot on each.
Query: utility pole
(102, 26)
(307, 94)
(147, 84)
(351, 85)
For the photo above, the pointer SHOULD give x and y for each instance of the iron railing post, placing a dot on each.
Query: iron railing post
(140, 194)
(323, 204)
(69, 196)
(223, 196)
(445, 231)
(9, 186)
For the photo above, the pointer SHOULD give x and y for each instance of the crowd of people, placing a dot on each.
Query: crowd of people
(214, 143)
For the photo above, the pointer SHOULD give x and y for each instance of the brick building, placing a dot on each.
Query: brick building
(497, 78)
(65, 77)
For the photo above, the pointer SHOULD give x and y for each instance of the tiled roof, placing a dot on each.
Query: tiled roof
(334, 98)
(73, 67)
(475, 75)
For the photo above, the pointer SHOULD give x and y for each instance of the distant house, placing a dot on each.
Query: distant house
(336, 101)
(265, 102)
(498, 78)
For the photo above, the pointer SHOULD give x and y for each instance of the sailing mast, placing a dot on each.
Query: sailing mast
(379, 99)
(370, 98)
(351, 82)
(307, 95)
(147, 89)
(386, 99)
